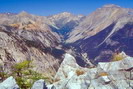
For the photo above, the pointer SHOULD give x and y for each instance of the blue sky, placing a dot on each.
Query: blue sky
(49, 7)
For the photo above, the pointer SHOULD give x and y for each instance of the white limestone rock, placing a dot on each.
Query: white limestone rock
(40, 84)
(9, 83)
(116, 75)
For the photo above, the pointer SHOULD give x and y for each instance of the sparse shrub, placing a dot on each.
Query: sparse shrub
(56, 80)
(102, 74)
(3, 74)
(19, 68)
(24, 76)
(15, 25)
(117, 57)
(79, 72)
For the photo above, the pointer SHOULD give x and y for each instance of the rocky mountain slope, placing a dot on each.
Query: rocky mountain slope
(107, 30)
(27, 37)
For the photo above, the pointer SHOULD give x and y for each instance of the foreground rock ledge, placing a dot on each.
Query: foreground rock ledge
(111, 75)
(9, 83)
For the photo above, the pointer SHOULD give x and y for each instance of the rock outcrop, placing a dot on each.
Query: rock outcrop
(40, 84)
(111, 75)
(9, 83)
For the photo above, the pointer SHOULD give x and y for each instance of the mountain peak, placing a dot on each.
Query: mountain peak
(66, 13)
(111, 6)
(23, 13)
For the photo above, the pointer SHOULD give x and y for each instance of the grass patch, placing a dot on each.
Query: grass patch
(79, 72)
(117, 57)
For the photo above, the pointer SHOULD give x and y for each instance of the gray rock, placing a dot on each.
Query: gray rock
(113, 75)
(51, 87)
(9, 83)
(68, 75)
(126, 63)
(40, 84)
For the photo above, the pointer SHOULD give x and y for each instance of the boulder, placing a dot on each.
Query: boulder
(9, 83)
(67, 68)
(126, 63)
(51, 86)
(105, 79)
(40, 84)
(70, 75)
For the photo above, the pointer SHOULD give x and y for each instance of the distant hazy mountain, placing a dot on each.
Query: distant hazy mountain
(65, 22)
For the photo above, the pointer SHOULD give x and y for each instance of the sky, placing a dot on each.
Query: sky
(50, 7)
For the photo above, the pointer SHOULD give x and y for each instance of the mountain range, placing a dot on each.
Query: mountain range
(51, 42)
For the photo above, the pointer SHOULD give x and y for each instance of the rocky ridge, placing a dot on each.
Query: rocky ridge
(106, 31)
(112, 75)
